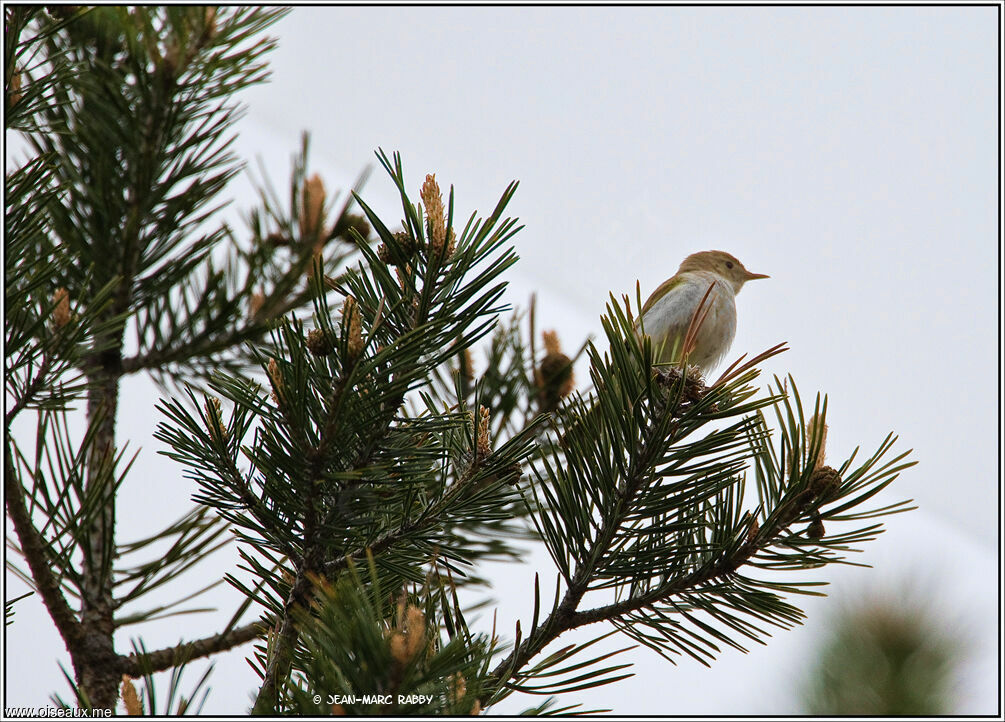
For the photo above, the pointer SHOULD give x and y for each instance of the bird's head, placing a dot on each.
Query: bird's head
(721, 263)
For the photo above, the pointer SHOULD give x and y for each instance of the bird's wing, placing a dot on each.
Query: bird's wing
(661, 290)
(669, 309)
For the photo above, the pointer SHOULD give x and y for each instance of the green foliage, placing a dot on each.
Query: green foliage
(642, 504)
(333, 464)
(137, 142)
(359, 654)
(55, 477)
(41, 365)
(883, 658)
(8, 608)
(173, 702)
(127, 117)
(368, 447)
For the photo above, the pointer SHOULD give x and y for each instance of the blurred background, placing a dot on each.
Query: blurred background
(849, 152)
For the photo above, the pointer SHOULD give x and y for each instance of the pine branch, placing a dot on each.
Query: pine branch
(34, 548)
(641, 495)
(133, 141)
(169, 657)
(414, 327)
(429, 520)
(757, 540)
(355, 640)
(311, 566)
(279, 664)
(158, 358)
(565, 617)
(97, 602)
(256, 507)
(33, 387)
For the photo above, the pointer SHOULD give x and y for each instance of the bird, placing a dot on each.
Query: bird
(711, 280)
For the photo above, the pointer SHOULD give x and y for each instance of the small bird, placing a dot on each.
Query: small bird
(667, 313)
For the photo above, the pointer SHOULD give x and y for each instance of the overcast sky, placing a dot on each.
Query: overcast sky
(848, 152)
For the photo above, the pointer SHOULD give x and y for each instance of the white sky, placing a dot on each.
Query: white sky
(848, 152)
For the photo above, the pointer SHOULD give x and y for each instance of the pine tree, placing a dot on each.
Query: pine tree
(322, 393)
(885, 655)
(127, 114)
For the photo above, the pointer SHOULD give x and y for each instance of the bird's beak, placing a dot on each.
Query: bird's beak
(752, 276)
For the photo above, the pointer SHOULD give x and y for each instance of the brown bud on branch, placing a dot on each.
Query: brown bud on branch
(554, 378)
(131, 700)
(61, 314)
(312, 207)
(318, 342)
(14, 94)
(483, 443)
(410, 638)
(277, 380)
(214, 419)
(814, 427)
(436, 218)
(353, 325)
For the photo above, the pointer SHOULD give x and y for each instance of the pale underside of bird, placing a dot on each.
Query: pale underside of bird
(668, 319)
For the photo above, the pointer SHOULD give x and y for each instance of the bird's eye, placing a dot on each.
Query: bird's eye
(729, 264)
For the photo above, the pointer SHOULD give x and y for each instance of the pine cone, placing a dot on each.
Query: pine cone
(405, 243)
(318, 342)
(556, 380)
(824, 480)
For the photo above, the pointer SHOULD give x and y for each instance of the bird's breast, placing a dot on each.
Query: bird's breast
(668, 318)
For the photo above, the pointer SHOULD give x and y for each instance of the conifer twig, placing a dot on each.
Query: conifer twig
(33, 547)
(565, 616)
(168, 657)
(30, 390)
